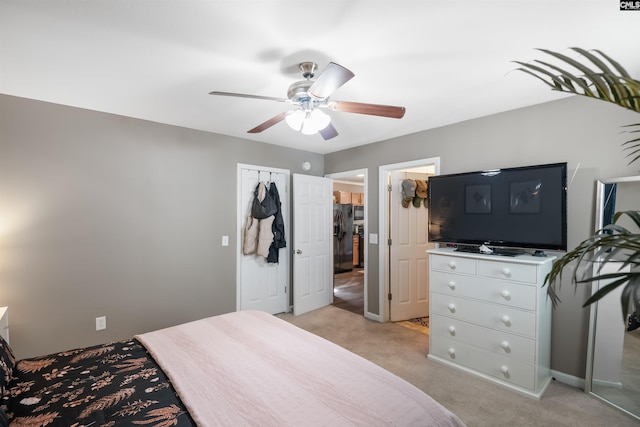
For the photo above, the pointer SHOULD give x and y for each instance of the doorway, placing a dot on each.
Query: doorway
(403, 262)
(349, 240)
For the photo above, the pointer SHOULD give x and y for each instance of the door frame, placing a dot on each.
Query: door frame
(336, 177)
(240, 217)
(383, 224)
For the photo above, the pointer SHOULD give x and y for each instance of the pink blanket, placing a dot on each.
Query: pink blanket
(251, 368)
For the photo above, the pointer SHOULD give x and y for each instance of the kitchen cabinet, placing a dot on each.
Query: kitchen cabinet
(356, 250)
(342, 197)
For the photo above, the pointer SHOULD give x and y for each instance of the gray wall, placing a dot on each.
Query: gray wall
(102, 215)
(107, 215)
(585, 133)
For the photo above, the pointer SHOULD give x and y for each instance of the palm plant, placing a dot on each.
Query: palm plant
(600, 78)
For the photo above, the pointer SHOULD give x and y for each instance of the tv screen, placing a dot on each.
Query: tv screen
(523, 207)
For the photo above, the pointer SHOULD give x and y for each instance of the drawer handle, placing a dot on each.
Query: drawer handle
(505, 346)
(452, 285)
(452, 353)
(452, 330)
(452, 265)
(506, 272)
(505, 371)
(452, 308)
(506, 295)
(505, 319)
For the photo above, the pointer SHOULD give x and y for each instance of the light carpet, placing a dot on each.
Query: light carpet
(476, 401)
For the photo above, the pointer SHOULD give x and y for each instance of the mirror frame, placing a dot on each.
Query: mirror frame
(593, 313)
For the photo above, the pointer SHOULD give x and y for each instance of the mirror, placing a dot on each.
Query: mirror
(613, 362)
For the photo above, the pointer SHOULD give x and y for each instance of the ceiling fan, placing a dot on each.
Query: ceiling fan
(310, 96)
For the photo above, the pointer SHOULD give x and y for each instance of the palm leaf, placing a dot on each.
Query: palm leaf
(610, 83)
(633, 215)
(574, 83)
(555, 82)
(615, 64)
(613, 243)
(633, 145)
(593, 77)
(600, 77)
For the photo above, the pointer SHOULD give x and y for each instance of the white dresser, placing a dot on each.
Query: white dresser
(490, 316)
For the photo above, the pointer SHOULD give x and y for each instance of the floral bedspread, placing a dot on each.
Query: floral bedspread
(115, 384)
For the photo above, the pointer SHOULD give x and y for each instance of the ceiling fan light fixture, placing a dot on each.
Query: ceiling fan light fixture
(314, 122)
(309, 95)
(295, 120)
(308, 122)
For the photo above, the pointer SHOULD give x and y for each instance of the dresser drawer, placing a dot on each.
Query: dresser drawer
(488, 363)
(508, 270)
(516, 347)
(486, 314)
(490, 290)
(453, 264)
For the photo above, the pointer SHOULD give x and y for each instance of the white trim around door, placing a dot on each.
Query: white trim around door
(383, 223)
(336, 177)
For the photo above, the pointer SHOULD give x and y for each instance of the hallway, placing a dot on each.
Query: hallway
(348, 291)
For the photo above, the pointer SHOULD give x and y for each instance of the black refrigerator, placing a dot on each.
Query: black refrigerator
(342, 238)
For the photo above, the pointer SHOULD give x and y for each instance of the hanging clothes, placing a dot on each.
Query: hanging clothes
(250, 241)
(277, 227)
(264, 205)
(258, 239)
(265, 237)
(264, 230)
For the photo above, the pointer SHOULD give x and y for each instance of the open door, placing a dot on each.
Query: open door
(312, 243)
(397, 293)
(409, 270)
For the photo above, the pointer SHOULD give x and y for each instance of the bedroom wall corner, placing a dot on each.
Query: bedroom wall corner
(585, 133)
(104, 215)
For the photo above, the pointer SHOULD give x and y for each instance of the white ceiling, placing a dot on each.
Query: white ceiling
(445, 61)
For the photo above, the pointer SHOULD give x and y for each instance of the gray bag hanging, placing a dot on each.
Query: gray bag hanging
(265, 207)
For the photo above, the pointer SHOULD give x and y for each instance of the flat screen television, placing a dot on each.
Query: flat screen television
(520, 208)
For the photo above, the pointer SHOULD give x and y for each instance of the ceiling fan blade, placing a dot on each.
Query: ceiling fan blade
(328, 132)
(370, 109)
(329, 80)
(266, 125)
(242, 95)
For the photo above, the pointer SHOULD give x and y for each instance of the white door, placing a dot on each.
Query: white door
(312, 243)
(408, 261)
(262, 286)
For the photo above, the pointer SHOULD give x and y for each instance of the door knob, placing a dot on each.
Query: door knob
(298, 251)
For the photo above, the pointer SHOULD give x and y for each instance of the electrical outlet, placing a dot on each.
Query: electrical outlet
(101, 323)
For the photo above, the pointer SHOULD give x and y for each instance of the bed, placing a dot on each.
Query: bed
(238, 369)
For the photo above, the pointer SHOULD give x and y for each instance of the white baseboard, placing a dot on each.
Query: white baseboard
(373, 316)
(568, 379)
